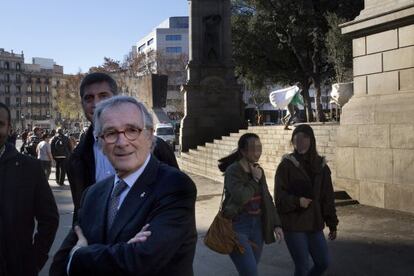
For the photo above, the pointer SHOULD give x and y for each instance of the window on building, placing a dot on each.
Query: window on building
(7, 89)
(172, 37)
(29, 88)
(18, 89)
(18, 66)
(17, 101)
(7, 100)
(18, 78)
(18, 114)
(7, 77)
(173, 50)
(47, 88)
(6, 65)
(29, 99)
(141, 48)
(38, 88)
(149, 42)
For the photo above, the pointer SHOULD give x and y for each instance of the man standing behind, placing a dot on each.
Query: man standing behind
(88, 164)
(32, 142)
(44, 154)
(61, 149)
(25, 197)
(143, 191)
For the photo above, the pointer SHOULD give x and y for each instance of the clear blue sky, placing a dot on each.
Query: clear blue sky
(78, 34)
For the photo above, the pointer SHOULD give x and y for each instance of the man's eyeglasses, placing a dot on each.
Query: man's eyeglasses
(131, 133)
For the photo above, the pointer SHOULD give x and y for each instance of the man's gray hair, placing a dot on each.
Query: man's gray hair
(116, 101)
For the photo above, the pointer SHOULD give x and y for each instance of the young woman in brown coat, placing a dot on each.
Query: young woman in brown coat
(305, 202)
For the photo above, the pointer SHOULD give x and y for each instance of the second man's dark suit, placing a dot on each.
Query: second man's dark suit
(162, 196)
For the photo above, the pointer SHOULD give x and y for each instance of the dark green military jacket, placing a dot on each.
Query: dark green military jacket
(240, 187)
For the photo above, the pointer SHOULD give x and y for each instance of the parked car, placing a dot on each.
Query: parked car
(165, 132)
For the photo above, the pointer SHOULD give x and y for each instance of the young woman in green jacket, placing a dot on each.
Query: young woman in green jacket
(248, 203)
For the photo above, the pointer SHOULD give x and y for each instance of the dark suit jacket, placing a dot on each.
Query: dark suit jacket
(81, 165)
(164, 153)
(81, 168)
(164, 197)
(25, 195)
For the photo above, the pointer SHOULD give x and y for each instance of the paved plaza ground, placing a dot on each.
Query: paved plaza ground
(371, 241)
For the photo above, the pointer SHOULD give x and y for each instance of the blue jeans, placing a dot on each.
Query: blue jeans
(248, 228)
(303, 244)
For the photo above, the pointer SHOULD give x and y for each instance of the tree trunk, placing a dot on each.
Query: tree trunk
(258, 116)
(319, 113)
(307, 100)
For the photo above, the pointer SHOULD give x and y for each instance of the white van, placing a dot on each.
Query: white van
(166, 133)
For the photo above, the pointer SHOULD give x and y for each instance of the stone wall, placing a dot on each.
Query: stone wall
(276, 142)
(375, 154)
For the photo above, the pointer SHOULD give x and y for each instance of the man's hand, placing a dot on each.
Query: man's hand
(141, 236)
(279, 234)
(304, 202)
(82, 241)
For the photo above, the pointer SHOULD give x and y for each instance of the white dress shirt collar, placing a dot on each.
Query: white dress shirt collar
(132, 178)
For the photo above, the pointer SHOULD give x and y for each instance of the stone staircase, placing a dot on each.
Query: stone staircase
(275, 141)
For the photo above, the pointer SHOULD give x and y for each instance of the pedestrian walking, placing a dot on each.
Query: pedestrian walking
(32, 141)
(61, 149)
(249, 204)
(288, 98)
(44, 154)
(305, 201)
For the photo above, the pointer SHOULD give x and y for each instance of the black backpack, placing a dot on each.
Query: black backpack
(30, 147)
(59, 145)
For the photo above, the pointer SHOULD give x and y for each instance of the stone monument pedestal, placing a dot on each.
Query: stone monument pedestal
(375, 154)
(213, 104)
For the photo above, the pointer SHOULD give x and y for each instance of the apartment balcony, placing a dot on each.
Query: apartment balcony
(37, 104)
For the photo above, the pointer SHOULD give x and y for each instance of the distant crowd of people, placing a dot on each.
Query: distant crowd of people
(134, 209)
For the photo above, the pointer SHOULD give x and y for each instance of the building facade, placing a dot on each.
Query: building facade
(12, 85)
(28, 89)
(166, 48)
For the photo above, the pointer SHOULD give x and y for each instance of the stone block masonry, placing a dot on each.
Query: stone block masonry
(375, 147)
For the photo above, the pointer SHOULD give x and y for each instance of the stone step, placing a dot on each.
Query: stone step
(275, 140)
(342, 198)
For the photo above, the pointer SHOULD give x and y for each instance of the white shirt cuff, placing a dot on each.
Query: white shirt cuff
(74, 249)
